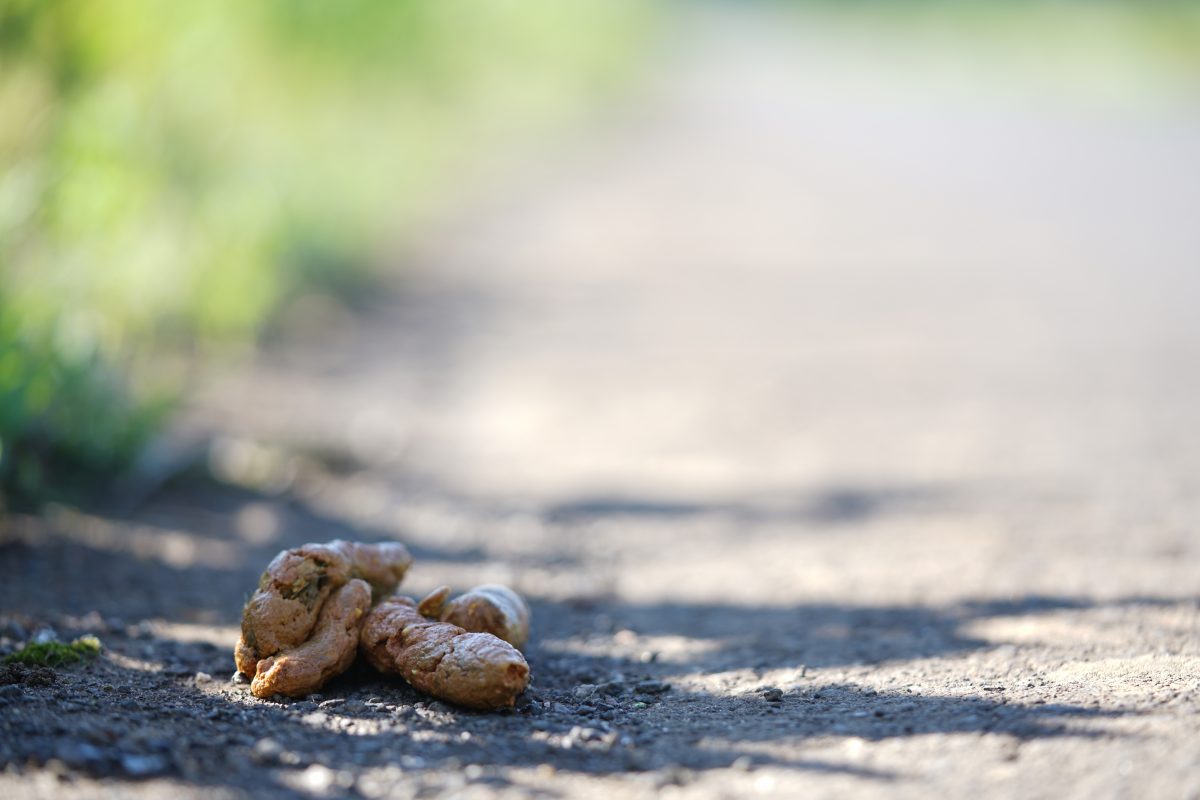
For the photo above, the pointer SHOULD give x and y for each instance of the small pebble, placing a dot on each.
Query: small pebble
(742, 764)
(772, 695)
(674, 776)
(653, 687)
(45, 636)
(317, 779)
(79, 754)
(267, 750)
(142, 766)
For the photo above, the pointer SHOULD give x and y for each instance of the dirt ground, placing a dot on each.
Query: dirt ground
(838, 419)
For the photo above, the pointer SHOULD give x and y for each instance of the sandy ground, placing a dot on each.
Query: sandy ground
(836, 409)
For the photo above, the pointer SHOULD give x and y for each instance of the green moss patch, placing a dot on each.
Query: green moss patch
(56, 654)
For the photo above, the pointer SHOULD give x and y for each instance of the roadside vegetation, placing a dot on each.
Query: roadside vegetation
(173, 174)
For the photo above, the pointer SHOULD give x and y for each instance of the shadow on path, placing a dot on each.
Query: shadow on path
(144, 708)
(363, 726)
(830, 505)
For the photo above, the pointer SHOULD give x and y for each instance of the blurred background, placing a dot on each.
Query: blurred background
(174, 176)
(602, 247)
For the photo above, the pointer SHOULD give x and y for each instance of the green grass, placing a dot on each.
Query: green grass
(56, 654)
(66, 415)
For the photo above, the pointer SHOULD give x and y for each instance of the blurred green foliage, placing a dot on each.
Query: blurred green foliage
(1117, 49)
(67, 416)
(172, 172)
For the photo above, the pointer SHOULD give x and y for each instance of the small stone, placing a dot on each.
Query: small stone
(772, 694)
(584, 691)
(203, 678)
(142, 766)
(742, 764)
(79, 754)
(653, 687)
(238, 678)
(267, 750)
(11, 691)
(45, 636)
(317, 778)
(674, 776)
(138, 630)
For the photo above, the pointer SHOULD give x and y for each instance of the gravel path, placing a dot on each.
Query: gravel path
(839, 418)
